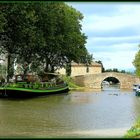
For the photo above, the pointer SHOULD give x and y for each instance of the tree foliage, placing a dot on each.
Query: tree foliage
(119, 71)
(136, 62)
(100, 62)
(63, 40)
(45, 35)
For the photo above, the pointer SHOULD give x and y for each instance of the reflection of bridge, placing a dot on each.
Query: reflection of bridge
(95, 80)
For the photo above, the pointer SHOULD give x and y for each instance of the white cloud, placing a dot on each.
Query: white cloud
(118, 60)
(118, 56)
(108, 41)
(108, 23)
(125, 38)
(113, 32)
(129, 8)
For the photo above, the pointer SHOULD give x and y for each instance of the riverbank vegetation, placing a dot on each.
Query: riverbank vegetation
(113, 70)
(116, 70)
(134, 131)
(71, 83)
(136, 62)
(41, 36)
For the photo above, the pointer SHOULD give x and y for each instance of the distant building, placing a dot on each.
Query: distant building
(82, 69)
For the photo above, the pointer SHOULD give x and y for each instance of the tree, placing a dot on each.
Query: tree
(7, 37)
(100, 62)
(136, 62)
(115, 70)
(62, 37)
(42, 34)
(29, 36)
(19, 34)
(123, 71)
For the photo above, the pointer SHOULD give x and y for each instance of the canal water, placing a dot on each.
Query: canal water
(78, 114)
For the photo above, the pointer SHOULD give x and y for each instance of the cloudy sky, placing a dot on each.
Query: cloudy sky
(113, 31)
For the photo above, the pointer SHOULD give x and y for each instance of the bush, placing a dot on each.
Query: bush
(134, 131)
(69, 81)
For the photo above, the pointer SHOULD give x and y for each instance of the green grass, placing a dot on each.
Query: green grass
(134, 131)
(70, 82)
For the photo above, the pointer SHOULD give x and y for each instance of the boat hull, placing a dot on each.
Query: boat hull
(23, 92)
(2, 92)
(137, 93)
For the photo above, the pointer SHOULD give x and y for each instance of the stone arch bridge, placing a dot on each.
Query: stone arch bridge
(95, 80)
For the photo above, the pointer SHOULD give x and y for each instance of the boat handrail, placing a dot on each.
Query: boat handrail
(35, 85)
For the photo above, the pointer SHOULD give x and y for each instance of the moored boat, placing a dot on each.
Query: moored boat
(27, 88)
(135, 86)
(138, 90)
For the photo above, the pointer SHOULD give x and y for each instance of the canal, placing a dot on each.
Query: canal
(79, 114)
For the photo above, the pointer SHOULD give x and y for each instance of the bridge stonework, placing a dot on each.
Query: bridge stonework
(94, 80)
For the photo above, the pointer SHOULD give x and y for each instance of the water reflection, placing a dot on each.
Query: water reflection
(114, 87)
(78, 114)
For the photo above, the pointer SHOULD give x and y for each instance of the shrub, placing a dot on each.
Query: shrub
(134, 131)
(69, 81)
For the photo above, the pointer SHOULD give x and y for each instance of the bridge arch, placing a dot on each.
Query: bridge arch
(110, 81)
(95, 80)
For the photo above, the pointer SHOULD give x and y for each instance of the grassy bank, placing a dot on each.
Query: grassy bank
(71, 84)
(134, 131)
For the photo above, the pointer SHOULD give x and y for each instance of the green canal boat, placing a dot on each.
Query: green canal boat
(25, 87)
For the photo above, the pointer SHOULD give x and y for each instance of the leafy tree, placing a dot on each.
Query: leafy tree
(29, 36)
(18, 38)
(115, 70)
(8, 37)
(63, 40)
(136, 62)
(123, 71)
(46, 35)
(2, 21)
(100, 62)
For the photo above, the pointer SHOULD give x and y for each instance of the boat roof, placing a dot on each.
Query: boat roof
(136, 84)
(53, 73)
(56, 74)
(34, 74)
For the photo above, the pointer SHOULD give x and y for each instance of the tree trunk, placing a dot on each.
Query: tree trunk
(52, 69)
(25, 71)
(8, 66)
(47, 66)
(68, 69)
